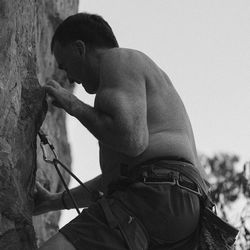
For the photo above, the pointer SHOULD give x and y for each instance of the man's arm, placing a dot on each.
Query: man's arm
(82, 197)
(119, 118)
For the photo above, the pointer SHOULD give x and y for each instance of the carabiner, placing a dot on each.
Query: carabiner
(44, 141)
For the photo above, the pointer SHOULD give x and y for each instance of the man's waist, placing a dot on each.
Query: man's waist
(173, 171)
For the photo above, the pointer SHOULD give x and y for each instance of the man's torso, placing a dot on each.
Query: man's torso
(170, 131)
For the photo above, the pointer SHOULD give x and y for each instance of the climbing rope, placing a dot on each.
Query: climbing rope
(56, 162)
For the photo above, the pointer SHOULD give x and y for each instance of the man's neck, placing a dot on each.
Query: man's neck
(94, 58)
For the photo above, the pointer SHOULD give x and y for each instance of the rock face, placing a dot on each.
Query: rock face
(25, 63)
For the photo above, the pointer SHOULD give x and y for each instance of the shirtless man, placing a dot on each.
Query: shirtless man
(140, 123)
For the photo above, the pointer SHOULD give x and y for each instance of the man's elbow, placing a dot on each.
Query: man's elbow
(137, 146)
(138, 150)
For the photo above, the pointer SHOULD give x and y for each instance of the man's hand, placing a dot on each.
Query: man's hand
(61, 97)
(43, 200)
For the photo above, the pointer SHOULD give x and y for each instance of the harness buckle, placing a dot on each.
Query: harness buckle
(197, 192)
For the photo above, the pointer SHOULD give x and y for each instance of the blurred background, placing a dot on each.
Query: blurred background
(204, 47)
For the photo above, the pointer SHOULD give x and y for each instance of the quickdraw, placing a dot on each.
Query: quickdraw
(56, 162)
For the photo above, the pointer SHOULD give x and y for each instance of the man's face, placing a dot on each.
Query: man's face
(74, 63)
(69, 61)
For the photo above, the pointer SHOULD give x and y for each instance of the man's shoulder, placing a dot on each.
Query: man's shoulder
(124, 57)
(119, 65)
(123, 52)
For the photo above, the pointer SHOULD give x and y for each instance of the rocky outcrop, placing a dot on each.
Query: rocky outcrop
(25, 64)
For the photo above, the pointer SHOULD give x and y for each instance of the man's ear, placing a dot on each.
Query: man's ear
(80, 47)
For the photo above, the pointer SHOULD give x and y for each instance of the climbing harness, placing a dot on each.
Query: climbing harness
(56, 162)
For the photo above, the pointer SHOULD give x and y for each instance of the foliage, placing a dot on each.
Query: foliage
(230, 188)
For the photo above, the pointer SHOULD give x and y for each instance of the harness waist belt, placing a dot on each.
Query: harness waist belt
(159, 173)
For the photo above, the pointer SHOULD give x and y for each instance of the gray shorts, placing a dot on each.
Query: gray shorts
(140, 216)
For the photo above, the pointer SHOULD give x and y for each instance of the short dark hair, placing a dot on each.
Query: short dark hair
(90, 28)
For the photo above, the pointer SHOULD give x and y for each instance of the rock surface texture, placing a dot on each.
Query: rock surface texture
(25, 63)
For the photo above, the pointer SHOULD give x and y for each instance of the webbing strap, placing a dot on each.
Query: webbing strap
(112, 221)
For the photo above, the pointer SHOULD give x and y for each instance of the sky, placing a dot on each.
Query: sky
(204, 47)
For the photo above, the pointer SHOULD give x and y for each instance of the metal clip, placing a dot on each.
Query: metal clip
(144, 176)
(176, 177)
(43, 143)
(197, 192)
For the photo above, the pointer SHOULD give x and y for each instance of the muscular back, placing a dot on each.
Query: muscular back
(158, 114)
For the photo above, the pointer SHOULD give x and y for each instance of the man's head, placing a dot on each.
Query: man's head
(92, 29)
(75, 39)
